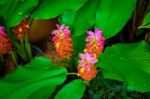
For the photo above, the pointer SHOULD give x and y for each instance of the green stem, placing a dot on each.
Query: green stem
(72, 74)
(25, 57)
(30, 21)
(28, 47)
(14, 58)
(98, 71)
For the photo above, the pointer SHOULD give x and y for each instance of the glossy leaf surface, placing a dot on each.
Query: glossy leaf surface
(129, 63)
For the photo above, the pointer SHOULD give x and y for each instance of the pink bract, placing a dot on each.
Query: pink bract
(97, 35)
(87, 59)
(2, 30)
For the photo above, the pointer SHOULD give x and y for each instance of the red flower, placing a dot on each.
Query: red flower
(21, 29)
(5, 43)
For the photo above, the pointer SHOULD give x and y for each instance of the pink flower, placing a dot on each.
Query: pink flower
(86, 68)
(87, 59)
(62, 41)
(64, 29)
(96, 36)
(2, 30)
(95, 43)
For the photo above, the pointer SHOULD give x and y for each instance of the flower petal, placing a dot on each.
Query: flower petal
(82, 63)
(98, 32)
(93, 60)
(90, 33)
(82, 56)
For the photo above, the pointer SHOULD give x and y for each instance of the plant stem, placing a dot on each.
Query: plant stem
(98, 71)
(30, 21)
(28, 47)
(72, 74)
(14, 58)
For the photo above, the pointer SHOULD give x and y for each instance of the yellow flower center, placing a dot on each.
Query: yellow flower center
(85, 50)
(82, 70)
(57, 44)
(61, 36)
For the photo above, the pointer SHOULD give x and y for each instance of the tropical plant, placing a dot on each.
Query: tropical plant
(103, 47)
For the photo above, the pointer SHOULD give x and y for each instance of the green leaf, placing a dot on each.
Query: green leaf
(5, 7)
(112, 15)
(86, 17)
(15, 11)
(78, 43)
(73, 90)
(129, 63)
(147, 18)
(21, 11)
(144, 26)
(52, 8)
(68, 19)
(83, 19)
(37, 80)
(146, 21)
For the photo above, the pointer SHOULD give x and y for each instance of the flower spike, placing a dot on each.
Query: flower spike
(86, 68)
(5, 43)
(62, 41)
(21, 29)
(95, 43)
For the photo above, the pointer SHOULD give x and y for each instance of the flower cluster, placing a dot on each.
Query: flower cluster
(95, 45)
(62, 41)
(86, 68)
(5, 43)
(21, 29)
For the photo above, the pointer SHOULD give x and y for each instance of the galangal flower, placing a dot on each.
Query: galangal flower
(5, 43)
(62, 41)
(95, 43)
(86, 68)
(21, 29)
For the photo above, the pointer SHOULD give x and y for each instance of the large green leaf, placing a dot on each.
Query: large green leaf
(68, 19)
(52, 8)
(36, 80)
(129, 63)
(73, 90)
(146, 21)
(14, 11)
(112, 15)
(83, 19)
(5, 7)
(2, 1)
(78, 43)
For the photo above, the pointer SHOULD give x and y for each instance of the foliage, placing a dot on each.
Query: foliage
(123, 69)
(146, 21)
(37, 79)
(46, 9)
(119, 61)
(82, 19)
(77, 90)
(108, 13)
(17, 9)
(103, 14)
